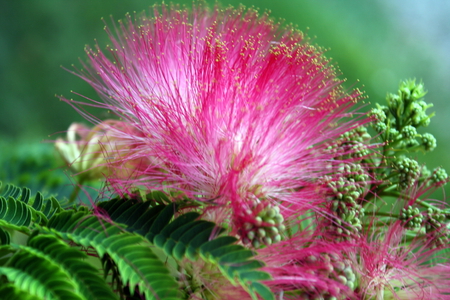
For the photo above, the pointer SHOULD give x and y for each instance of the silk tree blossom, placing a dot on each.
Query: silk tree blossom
(226, 105)
(81, 150)
(304, 267)
(392, 266)
(95, 152)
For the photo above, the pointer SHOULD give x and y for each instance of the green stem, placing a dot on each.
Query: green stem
(76, 190)
(427, 205)
(386, 214)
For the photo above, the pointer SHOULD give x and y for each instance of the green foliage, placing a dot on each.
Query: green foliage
(18, 211)
(11, 292)
(131, 239)
(34, 166)
(48, 268)
(187, 237)
(138, 265)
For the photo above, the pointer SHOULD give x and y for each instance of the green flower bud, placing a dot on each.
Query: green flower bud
(256, 244)
(428, 141)
(277, 238)
(380, 126)
(342, 279)
(261, 232)
(267, 240)
(408, 170)
(439, 176)
(411, 217)
(378, 114)
(395, 103)
(409, 132)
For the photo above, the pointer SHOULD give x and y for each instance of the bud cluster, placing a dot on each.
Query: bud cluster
(435, 219)
(437, 227)
(266, 228)
(332, 267)
(346, 191)
(397, 124)
(439, 176)
(352, 144)
(349, 218)
(411, 217)
(408, 171)
(399, 120)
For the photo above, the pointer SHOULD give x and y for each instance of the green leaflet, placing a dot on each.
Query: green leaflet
(5, 237)
(11, 292)
(39, 276)
(185, 236)
(74, 262)
(37, 270)
(17, 213)
(137, 263)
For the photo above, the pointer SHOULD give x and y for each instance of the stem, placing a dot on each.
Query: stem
(427, 205)
(386, 214)
(76, 190)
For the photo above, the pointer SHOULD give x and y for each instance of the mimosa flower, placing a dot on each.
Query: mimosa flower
(228, 106)
(95, 152)
(304, 267)
(391, 266)
(81, 151)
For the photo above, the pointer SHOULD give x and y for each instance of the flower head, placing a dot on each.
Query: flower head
(96, 152)
(392, 265)
(305, 268)
(227, 105)
(82, 151)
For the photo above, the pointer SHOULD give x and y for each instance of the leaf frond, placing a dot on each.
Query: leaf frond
(188, 237)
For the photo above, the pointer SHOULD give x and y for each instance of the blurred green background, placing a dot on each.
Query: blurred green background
(375, 43)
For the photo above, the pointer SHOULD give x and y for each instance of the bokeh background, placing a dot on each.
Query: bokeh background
(375, 43)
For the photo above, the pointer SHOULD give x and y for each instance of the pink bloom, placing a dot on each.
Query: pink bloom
(304, 267)
(226, 105)
(390, 266)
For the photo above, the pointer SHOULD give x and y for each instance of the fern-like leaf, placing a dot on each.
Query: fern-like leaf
(138, 265)
(35, 274)
(185, 236)
(5, 237)
(89, 284)
(11, 292)
(17, 213)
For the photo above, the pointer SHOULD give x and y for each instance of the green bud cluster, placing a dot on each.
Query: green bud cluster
(379, 113)
(345, 192)
(408, 171)
(332, 267)
(411, 217)
(379, 116)
(417, 112)
(351, 185)
(436, 219)
(398, 122)
(266, 229)
(439, 176)
(428, 142)
(409, 134)
(351, 144)
(349, 218)
(359, 134)
(407, 105)
(437, 228)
